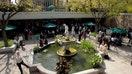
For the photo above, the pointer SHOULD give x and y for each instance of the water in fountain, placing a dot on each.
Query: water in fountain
(81, 61)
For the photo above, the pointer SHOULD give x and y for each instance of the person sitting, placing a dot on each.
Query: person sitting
(41, 43)
(103, 51)
(45, 41)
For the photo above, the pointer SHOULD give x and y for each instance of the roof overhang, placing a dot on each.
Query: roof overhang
(48, 15)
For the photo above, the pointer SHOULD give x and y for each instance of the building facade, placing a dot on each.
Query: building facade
(59, 4)
(5, 0)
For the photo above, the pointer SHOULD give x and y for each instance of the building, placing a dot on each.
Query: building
(5, 0)
(59, 4)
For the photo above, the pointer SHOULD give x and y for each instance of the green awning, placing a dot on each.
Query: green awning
(51, 6)
(49, 25)
(89, 24)
(118, 30)
(9, 27)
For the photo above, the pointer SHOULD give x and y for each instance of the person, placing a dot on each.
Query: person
(21, 41)
(30, 34)
(84, 35)
(130, 38)
(41, 43)
(73, 31)
(103, 51)
(45, 41)
(66, 30)
(41, 35)
(16, 43)
(26, 33)
(19, 61)
(89, 33)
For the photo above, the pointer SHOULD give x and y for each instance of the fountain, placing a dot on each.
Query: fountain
(80, 59)
(66, 47)
(65, 41)
(66, 51)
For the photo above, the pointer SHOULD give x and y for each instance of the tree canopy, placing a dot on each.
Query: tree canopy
(112, 7)
(8, 10)
(100, 8)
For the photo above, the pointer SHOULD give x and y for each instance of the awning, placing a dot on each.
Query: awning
(49, 25)
(9, 27)
(89, 24)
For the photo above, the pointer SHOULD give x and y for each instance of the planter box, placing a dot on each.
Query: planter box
(10, 49)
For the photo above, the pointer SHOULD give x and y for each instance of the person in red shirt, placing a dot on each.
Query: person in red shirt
(84, 35)
(41, 43)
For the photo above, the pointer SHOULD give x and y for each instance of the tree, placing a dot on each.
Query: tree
(99, 8)
(8, 10)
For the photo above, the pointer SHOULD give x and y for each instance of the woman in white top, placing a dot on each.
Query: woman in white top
(19, 61)
(103, 51)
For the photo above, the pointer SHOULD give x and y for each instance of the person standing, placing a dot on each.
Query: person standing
(26, 33)
(84, 35)
(16, 42)
(19, 61)
(21, 41)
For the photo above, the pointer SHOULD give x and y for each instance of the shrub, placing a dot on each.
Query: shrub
(10, 42)
(36, 49)
(95, 61)
(88, 46)
(93, 34)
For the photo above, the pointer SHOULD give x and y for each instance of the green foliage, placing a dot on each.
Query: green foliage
(30, 6)
(95, 61)
(56, 38)
(88, 46)
(129, 6)
(26, 5)
(10, 42)
(36, 49)
(8, 7)
(93, 34)
(109, 8)
(78, 5)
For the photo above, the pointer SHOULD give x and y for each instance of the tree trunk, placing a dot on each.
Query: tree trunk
(96, 27)
(5, 37)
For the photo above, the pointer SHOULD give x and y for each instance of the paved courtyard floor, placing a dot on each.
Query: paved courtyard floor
(119, 63)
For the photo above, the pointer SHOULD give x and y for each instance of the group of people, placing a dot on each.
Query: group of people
(18, 41)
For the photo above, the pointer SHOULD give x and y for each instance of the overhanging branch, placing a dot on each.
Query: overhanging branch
(11, 14)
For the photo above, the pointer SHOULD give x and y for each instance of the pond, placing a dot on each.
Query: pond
(79, 62)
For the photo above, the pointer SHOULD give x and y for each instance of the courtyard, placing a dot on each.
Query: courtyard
(118, 64)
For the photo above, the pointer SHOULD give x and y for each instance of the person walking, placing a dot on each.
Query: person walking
(19, 61)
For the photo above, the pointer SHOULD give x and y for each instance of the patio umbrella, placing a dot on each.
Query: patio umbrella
(51, 6)
(9, 27)
(49, 25)
(89, 24)
(118, 30)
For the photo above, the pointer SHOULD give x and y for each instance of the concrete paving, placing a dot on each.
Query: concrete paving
(119, 63)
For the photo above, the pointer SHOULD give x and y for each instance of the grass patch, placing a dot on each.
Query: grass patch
(10, 42)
